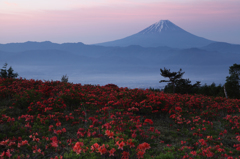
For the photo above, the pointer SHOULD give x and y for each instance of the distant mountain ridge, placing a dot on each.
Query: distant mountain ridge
(162, 44)
(162, 33)
(223, 47)
(79, 53)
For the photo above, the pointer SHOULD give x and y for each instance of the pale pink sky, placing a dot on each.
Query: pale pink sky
(95, 21)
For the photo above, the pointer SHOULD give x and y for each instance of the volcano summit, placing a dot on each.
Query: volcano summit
(162, 33)
(161, 27)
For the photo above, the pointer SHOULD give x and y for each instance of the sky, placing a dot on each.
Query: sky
(96, 21)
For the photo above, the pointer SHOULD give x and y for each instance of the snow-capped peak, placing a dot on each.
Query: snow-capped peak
(161, 26)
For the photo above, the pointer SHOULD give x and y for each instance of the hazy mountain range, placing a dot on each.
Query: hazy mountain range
(162, 33)
(139, 56)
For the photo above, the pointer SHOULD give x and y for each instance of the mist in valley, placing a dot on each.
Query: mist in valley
(131, 77)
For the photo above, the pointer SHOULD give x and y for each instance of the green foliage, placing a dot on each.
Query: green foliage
(7, 73)
(2, 111)
(73, 155)
(23, 100)
(165, 156)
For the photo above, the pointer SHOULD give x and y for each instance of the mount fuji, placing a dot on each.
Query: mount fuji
(162, 33)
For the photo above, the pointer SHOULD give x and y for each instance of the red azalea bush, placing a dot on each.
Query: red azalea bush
(55, 119)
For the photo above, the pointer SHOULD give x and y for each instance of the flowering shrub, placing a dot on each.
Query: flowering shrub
(63, 120)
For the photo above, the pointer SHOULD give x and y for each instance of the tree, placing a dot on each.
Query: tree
(7, 73)
(178, 84)
(184, 86)
(174, 77)
(233, 81)
(64, 78)
(211, 90)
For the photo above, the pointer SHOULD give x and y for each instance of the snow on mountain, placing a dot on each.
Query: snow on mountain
(162, 33)
(161, 26)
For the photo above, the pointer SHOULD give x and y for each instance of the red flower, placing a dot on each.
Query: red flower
(54, 141)
(143, 147)
(94, 146)
(77, 147)
(109, 133)
(120, 145)
(102, 149)
(140, 154)
(134, 135)
(6, 154)
(148, 121)
(238, 138)
(130, 143)
(125, 155)
(183, 142)
(220, 150)
(202, 141)
(178, 109)
(151, 129)
(210, 154)
(54, 144)
(111, 152)
(194, 153)
(63, 130)
(58, 124)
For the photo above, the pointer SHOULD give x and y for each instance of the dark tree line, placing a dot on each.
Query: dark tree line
(183, 86)
(7, 73)
(176, 84)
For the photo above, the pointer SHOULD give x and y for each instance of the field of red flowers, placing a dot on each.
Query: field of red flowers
(52, 119)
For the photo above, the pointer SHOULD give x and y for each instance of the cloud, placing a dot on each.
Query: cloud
(10, 4)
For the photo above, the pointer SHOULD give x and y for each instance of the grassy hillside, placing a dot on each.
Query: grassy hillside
(63, 120)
